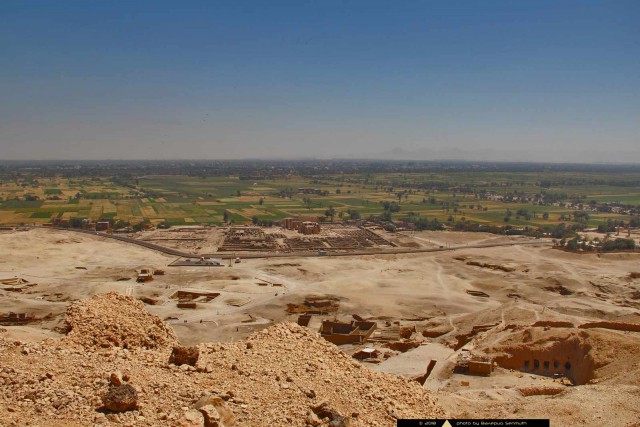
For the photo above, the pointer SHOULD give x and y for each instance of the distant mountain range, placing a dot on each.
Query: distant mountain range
(553, 156)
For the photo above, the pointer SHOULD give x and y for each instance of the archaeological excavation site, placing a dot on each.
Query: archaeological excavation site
(337, 326)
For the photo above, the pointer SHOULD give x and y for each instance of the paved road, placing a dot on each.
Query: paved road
(391, 251)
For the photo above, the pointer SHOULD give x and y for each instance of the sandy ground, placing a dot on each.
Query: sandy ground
(541, 284)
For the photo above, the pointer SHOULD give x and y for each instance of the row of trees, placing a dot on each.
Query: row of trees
(596, 244)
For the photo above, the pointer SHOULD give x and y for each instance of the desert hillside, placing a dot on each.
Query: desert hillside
(283, 375)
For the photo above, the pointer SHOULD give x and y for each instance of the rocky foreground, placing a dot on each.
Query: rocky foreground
(121, 365)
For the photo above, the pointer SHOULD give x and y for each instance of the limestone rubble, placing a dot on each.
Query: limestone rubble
(116, 320)
(283, 375)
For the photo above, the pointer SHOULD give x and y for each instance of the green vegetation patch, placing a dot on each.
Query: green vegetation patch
(41, 215)
(21, 204)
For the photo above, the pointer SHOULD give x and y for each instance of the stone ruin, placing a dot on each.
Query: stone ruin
(347, 333)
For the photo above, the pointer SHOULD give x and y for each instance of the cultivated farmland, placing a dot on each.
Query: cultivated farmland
(523, 199)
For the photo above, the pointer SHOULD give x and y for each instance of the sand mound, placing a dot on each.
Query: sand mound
(114, 320)
(283, 375)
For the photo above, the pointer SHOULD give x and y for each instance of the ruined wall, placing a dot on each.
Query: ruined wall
(345, 333)
(618, 326)
(480, 368)
(553, 324)
(339, 339)
(304, 319)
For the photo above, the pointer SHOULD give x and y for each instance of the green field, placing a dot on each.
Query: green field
(447, 197)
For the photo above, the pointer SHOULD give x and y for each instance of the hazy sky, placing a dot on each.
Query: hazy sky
(208, 79)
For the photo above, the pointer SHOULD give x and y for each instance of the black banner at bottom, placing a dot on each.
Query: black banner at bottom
(473, 423)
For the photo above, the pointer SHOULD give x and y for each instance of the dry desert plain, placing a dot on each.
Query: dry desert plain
(514, 305)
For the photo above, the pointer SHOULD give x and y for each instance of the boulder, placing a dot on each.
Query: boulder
(216, 412)
(115, 378)
(211, 416)
(313, 420)
(184, 355)
(323, 410)
(120, 398)
(191, 418)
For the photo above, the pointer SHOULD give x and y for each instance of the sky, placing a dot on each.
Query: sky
(511, 80)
